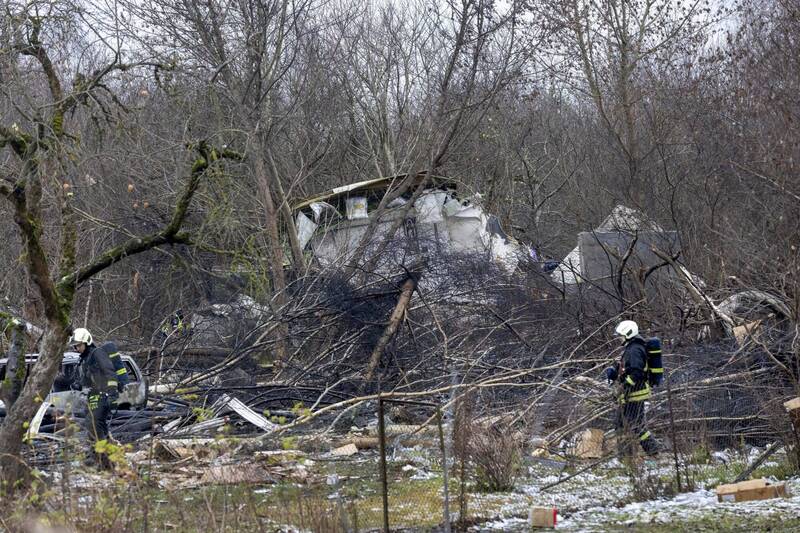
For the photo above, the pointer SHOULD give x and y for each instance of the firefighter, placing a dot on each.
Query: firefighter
(634, 390)
(95, 372)
(176, 325)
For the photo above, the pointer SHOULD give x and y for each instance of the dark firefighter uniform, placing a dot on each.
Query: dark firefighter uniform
(97, 373)
(634, 391)
(119, 367)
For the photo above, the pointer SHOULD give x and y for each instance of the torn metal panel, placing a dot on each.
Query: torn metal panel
(363, 188)
(201, 427)
(305, 229)
(591, 260)
(753, 303)
(36, 423)
(601, 252)
(246, 413)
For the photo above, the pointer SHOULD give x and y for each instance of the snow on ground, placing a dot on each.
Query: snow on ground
(596, 502)
(683, 508)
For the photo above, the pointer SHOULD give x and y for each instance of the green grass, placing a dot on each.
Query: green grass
(357, 502)
(713, 475)
(717, 524)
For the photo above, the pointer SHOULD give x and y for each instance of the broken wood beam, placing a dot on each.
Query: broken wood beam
(395, 319)
(696, 292)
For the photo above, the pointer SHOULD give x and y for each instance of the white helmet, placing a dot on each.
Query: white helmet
(81, 335)
(627, 329)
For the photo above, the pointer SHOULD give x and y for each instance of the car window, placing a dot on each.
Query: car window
(63, 381)
(131, 372)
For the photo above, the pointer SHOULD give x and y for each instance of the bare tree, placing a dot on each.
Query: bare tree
(37, 185)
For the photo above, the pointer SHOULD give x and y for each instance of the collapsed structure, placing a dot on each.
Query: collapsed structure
(332, 225)
(625, 239)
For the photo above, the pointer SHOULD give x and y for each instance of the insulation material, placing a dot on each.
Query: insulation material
(590, 444)
(467, 234)
(440, 223)
(429, 207)
(356, 207)
(305, 229)
(504, 252)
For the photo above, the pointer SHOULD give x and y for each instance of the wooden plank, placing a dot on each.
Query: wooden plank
(345, 451)
(764, 493)
(792, 404)
(744, 485)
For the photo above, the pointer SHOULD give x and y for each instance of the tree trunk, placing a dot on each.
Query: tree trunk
(275, 255)
(298, 261)
(15, 368)
(12, 467)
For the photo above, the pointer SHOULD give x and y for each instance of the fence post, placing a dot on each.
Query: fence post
(384, 482)
(445, 476)
(673, 435)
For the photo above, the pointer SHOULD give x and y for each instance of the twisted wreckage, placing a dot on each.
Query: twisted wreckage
(333, 225)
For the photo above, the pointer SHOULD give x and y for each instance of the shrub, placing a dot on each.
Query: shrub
(496, 457)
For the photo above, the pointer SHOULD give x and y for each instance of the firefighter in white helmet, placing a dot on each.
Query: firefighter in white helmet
(631, 373)
(97, 373)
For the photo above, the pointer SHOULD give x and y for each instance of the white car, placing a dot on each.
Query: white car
(62, 397)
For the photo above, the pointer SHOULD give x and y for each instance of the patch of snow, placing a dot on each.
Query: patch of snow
(503, 524)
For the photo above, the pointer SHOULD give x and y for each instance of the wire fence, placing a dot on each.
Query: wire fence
(704, 404)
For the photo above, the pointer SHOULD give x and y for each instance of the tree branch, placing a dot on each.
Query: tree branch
(171, 234)
(18, 141)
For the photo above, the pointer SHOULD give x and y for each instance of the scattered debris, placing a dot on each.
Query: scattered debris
(237, 473)
(755, 489)
(362, 443)
(345, 451)
(543, 517)
(590, 444)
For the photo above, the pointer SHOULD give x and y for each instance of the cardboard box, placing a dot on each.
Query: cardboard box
(754, 489)
(543, 516)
